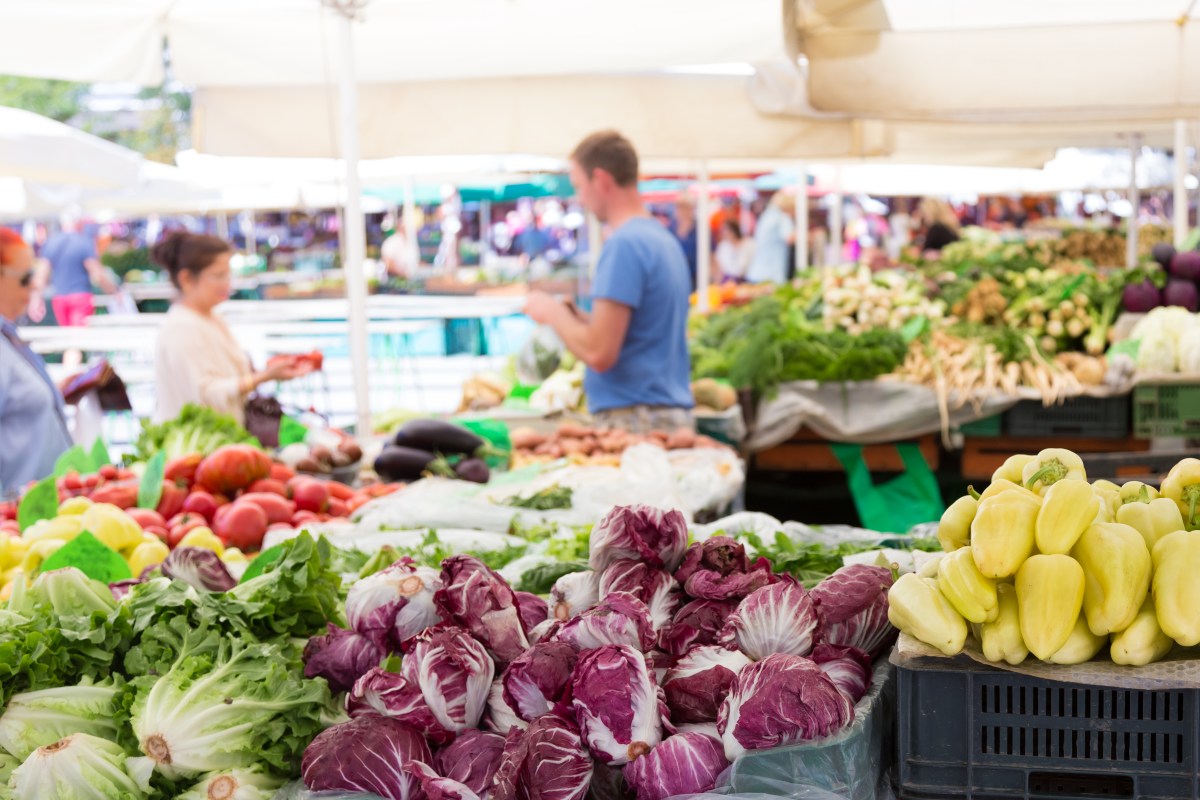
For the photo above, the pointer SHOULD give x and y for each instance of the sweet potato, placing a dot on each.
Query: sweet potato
(571, 430)
(681, 439)
(526, 438)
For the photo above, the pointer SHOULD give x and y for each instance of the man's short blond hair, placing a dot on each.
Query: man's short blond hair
(611, 152)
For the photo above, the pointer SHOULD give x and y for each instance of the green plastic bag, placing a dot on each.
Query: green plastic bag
(894, 506)
(495, 433)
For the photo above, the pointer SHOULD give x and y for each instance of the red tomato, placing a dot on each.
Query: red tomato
(243, 526)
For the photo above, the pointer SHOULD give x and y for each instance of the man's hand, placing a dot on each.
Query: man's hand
(37, 307)
(542, 308)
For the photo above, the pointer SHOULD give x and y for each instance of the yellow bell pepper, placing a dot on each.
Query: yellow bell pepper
(203, 537)
(15, 548)
(1000, 487)
(1182, 485)
(38, 552)
(1143, 642)
(954, 529)
(1068, 508)
(1001, 638)
(234, 556)
(1152, 520)
(971, 594)
(1116, 568)
(62, 528)
(1137, 492)
(1176, 588)
(1002, 534)
(1049, 599)
(112, 526)
(917, 607)
(1011, 469)
(147, 554)
(1081, 646)
(1051, 466)
(1107, 486)
(74, 506)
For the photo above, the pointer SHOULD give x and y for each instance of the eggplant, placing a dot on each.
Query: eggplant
(473, 469)
(436, 436)
(403, 463)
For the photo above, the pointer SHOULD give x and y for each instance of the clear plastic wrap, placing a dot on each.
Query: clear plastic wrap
(851, 765)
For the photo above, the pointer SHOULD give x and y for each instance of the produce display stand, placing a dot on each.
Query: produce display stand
(982, 456)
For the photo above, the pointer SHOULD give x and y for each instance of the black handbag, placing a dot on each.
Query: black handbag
(263, 417)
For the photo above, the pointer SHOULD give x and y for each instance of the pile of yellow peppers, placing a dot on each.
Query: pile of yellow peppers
(24, 554)
(1044, 563)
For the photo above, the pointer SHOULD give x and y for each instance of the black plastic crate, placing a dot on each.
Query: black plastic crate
(970, 731)
(1094, 417)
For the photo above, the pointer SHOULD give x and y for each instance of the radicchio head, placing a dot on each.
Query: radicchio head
(442, 688)
(478, 599)
(644, 533)
(394, 604)
(718, 569)
(780, 700)
(852, 606)
(617, 619)
(616, 702)
(699, 682)
(780, 618)
(654, 587)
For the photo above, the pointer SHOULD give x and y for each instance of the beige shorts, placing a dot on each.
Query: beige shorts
(644, 419)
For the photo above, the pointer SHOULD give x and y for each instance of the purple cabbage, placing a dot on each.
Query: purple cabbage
(657, 589)
(848, 667)
(718, 569)
(341, 657)
(699, 682)
(852, 606)
(573, 594)
(442, 688)
(538, 678)
(1162, 253)
(642, 533)
(500, 717)
(533, 610)
(478, 599)
(548, 761)
(366, 754)
(471, 759)
(780, 700)
(199, 567)
(697, 623)
(616, 703)
(780, 618)
(394, 604)
(685, 764)
(617, 619)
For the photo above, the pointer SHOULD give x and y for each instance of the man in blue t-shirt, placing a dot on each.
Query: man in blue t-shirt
(634, 342)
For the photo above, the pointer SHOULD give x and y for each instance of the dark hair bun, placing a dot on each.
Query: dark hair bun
(166, 252)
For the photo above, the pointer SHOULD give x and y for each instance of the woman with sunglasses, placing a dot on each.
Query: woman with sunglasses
(33, 428)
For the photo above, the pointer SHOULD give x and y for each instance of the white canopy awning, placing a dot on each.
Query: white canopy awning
(294, 42)
(1017, 60)
(40, 150)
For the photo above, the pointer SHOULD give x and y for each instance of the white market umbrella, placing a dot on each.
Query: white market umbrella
(279, 43)
(41, 151)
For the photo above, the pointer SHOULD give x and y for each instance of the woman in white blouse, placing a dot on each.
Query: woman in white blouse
(198, 360)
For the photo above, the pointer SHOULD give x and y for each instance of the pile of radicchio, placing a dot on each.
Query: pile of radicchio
(641, 677)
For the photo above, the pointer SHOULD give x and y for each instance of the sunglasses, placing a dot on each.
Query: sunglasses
(26, 277)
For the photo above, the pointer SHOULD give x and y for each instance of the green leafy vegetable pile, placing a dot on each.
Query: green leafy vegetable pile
(197, 429)
(166, 690)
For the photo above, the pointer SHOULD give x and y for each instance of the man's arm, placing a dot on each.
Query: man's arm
(95, 271)
(595, 340)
